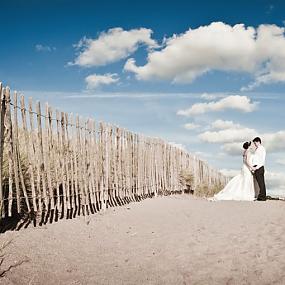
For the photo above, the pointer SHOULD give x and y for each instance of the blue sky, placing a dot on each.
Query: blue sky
(205, 75)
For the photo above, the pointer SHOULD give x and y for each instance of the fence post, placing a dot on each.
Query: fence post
(41, 160)
(2, 116)
(48, 150)
(10, 149)
(18, 172)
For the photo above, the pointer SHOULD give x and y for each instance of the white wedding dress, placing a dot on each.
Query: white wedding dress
(240, 187)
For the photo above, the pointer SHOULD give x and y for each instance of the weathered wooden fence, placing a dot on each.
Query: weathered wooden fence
(56, 164)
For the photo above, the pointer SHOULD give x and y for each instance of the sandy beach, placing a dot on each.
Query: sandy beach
(176, 239)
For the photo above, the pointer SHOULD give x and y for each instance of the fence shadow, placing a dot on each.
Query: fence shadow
(17, 221)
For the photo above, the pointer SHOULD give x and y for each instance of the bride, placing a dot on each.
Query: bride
(240, 187)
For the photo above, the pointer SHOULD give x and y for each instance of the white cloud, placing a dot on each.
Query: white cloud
(217, 46)
(274, 142)
(235, 102)
(111, 46)
(233, 149)
(213, 96)
(43, 48)
(228, 135)
(191, 126)
(231, 136)
(275, 183)
(95, 80)
(221, 124)
(281, 161)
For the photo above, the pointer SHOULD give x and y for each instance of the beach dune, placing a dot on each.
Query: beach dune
(176, 239)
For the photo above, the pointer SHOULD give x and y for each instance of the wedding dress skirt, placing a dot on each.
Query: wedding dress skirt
(240, 187)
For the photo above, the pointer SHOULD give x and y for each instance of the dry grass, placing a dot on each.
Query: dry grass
(201, 190)
(204, 190)
(186, 178)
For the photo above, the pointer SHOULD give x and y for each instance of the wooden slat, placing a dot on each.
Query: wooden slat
(84, 165)
(102, 166)
(91, 158)
(75, 162)
(2, 128)
(16, 157)
(80, 167)
(66, 158)
(119, 164)
(57, 163)
(97, 165)
(10, 149)
(87, 178)
(47, 151)
(30, 170)
(40, 153)
(94, 162)
(62, 163)
(69, 132)
(34, 158)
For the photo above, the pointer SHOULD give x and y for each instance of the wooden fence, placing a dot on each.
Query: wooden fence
(56, 164)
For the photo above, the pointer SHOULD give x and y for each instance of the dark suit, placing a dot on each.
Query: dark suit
(259, 175)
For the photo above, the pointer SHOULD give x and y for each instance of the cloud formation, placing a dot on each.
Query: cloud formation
(210, 97)
(191, 126)
(111, 46)
(231, 136)
(218, 46)
(234, 102)
(275, 183)
(95, 80)
(281, 161)
(275, 142)
(221, 124)
(228, 135)
(42, 48)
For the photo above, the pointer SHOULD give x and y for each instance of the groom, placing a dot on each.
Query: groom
(258, 167)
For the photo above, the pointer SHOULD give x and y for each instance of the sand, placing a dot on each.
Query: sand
(165, 240)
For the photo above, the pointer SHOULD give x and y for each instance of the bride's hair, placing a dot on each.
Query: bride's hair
(246, 145)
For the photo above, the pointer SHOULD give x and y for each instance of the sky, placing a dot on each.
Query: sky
(203, 75)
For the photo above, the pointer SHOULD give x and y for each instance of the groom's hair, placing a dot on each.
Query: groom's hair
(257, 139)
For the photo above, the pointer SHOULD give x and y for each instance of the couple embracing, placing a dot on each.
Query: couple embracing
(249, 185)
